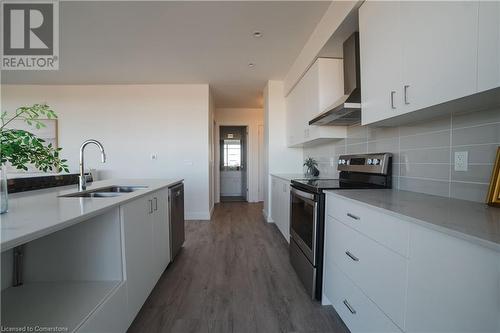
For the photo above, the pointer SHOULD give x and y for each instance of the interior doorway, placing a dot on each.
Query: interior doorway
(233, 145)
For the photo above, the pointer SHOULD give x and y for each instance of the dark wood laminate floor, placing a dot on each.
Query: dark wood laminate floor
(233, 275)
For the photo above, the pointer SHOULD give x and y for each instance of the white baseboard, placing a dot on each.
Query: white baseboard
(267, 217)
(325, 300)
(198, 216)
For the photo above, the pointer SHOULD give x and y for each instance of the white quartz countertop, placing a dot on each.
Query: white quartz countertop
(35, 214)
(469, 220)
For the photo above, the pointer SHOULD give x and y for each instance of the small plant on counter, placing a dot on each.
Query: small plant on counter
(20, 147)
(311, 167)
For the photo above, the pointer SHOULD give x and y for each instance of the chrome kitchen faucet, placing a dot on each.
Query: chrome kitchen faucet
(82, 181)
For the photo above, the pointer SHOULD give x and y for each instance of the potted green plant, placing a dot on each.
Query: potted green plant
(21, 148)
(311, 167)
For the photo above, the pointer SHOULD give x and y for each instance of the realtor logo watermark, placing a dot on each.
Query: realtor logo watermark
(30, 39)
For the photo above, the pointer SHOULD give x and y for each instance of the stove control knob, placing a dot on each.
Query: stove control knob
(376, 161)
(343, 162)
(348, 162)
(340, 162)
(369, 161)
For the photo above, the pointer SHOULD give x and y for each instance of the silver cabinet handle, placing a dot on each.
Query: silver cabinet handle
(150, 206)
(406, 94)
(354, 217)
(392, 99)
(352, 256)
(349, 307)
(156, 203)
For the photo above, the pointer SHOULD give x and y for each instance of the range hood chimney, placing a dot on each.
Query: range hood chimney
(346, 110)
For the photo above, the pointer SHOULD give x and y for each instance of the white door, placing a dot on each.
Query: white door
(488, 65)
(439, 51)
(381, 60)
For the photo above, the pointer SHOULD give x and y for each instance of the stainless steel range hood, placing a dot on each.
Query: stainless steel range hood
(346, 110)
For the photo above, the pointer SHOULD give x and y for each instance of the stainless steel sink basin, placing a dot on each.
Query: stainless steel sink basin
(122, 189)
(105, 192)
(94, 195)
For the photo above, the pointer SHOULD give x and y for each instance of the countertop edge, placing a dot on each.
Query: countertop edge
(10, 244)
(454, 233)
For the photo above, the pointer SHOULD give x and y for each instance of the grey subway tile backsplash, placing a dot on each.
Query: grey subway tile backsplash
(481, 134)
(469, 191)
(476, 118)
(424, 153)
(430, 171)
(478, 153)
(426, 140)
(427, 186)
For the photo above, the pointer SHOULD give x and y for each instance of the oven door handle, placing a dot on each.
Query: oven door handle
(303, 194)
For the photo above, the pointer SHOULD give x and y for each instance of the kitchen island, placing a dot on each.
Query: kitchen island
(84, 264)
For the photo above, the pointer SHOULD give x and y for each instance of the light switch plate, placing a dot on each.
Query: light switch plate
(461, 161)
(154, 156)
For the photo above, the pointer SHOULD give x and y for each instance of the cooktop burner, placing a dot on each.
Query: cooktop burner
(320, 184)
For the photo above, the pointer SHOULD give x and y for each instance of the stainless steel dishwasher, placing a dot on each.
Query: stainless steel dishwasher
(176, 218)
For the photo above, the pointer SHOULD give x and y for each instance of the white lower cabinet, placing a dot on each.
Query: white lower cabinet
(445, 284)
(379, 272)
(146, 246)
(161, 232)
(453, 284)
(280, 205)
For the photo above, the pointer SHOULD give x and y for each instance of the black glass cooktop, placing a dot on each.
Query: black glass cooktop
(319, 184)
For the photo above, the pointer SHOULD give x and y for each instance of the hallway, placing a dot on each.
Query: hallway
(233, 275)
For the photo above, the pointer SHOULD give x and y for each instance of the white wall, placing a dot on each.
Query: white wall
(278, 157)
(211, 149)
(251, 118)
(329, 23)
(132, 122)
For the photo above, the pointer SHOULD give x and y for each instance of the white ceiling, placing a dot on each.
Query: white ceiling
(125, 42)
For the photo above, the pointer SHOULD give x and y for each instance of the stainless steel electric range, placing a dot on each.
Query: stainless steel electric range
(307, 211)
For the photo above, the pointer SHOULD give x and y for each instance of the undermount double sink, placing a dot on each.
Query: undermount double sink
(105, 192)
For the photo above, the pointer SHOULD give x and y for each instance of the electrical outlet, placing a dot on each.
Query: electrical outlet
(461, 161)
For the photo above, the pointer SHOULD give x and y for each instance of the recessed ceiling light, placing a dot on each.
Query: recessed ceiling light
(257, 34)
(251, 65)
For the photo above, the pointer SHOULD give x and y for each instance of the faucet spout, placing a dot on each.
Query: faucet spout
(82, 181)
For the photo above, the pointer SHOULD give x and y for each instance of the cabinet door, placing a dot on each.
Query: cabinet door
(138, 240)
(381, 60)
(161, 236)
(488, 65)
(439, 51)
(285, 210)
(274, 199)
(295, 116)
(452, 283)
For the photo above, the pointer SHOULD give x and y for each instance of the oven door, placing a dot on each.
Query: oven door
(303, 221)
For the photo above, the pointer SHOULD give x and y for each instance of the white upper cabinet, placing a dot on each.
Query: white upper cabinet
(418, 54)
(488, 66)
(381, 60)
(439, 51)
(320, 87)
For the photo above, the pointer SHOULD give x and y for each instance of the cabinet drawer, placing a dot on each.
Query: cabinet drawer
(378, 271)
(356, 310)
(385, 229)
